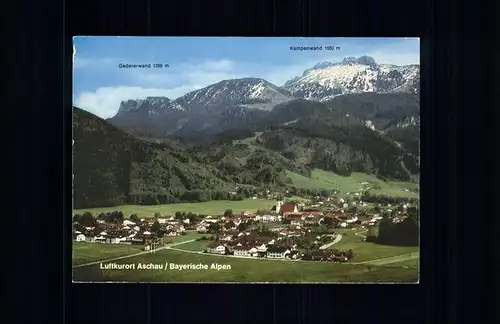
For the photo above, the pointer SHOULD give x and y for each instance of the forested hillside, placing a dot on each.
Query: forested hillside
(341, 149)
(380, 108)
(113, 168)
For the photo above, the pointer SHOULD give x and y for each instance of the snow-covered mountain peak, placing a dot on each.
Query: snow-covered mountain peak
(245, 92)
(353, 75)
(362, 60)
(322, 65)
(350, 60)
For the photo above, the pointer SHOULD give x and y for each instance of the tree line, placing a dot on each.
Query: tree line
(383, 199)
(404, 233)
(242, 193)
(189, 196)
(304, 192)
(88, 219)
(117, 217)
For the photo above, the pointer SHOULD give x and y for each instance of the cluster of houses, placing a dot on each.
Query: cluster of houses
(250, 244)
(329, 256)
(128, 232)
(291, 223)
(203, 225)
(264, 251)
(277, 245)
(296, 224)
(290, 214)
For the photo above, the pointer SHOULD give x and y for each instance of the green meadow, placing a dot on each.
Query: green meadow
(321, 179)
(88, 252)
(414, 263)
(373, 269)
(196, 246)
(243, 270)
(214, 207)
(365, 251)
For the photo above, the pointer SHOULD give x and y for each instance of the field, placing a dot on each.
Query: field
(364, 251)
(214, 207)
(321, 179)
(314, 182)
(414, 263)
(370, 269)
(88, 252)
(196, 246)
(243, 270)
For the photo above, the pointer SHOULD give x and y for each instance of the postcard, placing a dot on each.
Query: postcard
(246, 160)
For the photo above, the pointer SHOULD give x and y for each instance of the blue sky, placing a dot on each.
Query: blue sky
(100, 85)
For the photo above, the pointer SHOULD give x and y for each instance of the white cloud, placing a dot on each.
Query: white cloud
(171, 82)
(105, 101)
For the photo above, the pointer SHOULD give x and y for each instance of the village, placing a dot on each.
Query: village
(291, 230)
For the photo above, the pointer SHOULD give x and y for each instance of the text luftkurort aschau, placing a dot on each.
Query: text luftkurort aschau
(164, 266)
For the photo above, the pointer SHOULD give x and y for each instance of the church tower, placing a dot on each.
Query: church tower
(278, 206)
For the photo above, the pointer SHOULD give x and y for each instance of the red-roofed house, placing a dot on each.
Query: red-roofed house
(288, 208)
(314, 213)
(295, 218)
(293, 215)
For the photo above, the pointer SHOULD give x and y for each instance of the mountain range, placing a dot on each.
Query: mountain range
(237, 102)
(350, 116)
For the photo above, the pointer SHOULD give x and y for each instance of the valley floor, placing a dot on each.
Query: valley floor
(372, 262)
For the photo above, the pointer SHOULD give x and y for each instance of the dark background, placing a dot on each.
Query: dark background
(38, 130)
